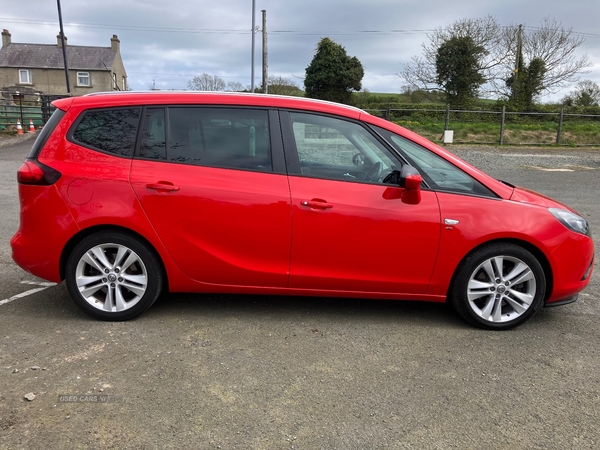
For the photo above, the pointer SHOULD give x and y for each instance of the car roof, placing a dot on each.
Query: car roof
(111, 99)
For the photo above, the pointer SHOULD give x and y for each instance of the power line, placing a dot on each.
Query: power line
(244, 31)
(568, 31)
(214, 30)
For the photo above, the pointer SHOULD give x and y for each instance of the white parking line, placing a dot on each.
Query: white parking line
(38, 283)
(29, 292)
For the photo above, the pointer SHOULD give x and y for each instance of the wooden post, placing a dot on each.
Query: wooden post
(502, 125)
(560, 124)
(265, 64)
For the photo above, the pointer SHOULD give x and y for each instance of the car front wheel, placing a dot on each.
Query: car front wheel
(113, 276)
(498, 286)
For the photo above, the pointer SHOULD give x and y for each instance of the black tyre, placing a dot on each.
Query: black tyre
(113, 276)
(498, 286)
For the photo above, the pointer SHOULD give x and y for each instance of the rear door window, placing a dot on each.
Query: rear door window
(237, 138)
(109, 130)
(154, 141)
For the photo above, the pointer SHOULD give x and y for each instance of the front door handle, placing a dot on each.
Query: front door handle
(316, 203)
(164, 186)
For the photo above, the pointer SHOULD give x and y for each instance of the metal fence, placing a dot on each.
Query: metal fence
(24, 108)
(499, 127)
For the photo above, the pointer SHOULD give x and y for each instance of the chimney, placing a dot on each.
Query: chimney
(115, 43)
(5, 38)
(59, 42)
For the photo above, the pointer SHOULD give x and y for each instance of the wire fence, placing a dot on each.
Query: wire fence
(498, 127)
(446, 126)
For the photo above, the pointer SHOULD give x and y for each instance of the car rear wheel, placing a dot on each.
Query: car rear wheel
(498, 286)
(113, 276)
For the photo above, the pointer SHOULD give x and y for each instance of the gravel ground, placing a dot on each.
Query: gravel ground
(6, 140)
(263, 372)
(563, 158)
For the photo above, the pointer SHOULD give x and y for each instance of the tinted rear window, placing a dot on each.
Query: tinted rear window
(40, 141)
(109, 130)
(237, 138)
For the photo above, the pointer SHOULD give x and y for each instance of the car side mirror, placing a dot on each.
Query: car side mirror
(410, 180)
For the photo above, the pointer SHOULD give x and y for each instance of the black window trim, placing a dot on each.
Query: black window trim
(276, 141)
(77, 121)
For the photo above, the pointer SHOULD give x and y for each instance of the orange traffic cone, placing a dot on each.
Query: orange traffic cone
(19, 127)
(31, 126)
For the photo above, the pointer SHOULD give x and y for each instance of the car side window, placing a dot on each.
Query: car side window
(109, 130)
(153, 144)
(437, 172)
(338, 149)
(236, 138)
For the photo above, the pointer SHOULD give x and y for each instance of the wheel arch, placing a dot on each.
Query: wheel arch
(77, 238)
(535, 251)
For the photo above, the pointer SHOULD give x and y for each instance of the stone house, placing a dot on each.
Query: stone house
(39, 68)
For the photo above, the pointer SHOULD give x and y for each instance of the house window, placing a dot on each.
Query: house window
(25, 76)
(124, 88)
(83, 79)
(114, 80)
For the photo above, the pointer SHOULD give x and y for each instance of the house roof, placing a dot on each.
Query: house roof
(50, 56)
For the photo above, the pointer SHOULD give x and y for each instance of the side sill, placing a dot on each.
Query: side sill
(566, 301)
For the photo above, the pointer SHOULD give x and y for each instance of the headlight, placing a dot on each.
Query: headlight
(571, 221)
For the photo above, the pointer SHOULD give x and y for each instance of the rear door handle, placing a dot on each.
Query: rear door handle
(165, 186)
(316, 203)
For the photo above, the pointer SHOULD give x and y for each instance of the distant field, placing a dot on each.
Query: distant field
(575, 133)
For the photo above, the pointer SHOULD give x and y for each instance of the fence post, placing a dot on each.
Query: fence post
(21, 107)
(560, 124)
(447, 124)
(502, 124)
(386, 114)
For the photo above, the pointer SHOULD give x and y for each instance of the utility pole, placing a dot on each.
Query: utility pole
(64, 50)
(265, 61)
(517, 63)
(253, 36)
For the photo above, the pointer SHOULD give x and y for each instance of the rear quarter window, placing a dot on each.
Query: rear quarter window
(108, 130)
(54, 120)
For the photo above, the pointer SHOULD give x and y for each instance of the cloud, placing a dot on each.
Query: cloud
(172, 42)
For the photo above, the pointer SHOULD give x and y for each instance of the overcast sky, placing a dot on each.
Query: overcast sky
(169, 42)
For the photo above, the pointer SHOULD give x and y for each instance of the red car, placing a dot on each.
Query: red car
(127, 195)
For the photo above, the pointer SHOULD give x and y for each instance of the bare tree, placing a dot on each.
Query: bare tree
(586, 93)
(206, 82)
(235, 86)
(549, 42)
(279, 85)
(486, 33)
(557, 47)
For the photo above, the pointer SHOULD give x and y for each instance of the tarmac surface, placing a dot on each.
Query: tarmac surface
(262, 372)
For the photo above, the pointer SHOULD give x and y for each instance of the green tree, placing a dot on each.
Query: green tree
(549, 41)
(458, 71)
(526, 84)
(332, 74)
